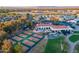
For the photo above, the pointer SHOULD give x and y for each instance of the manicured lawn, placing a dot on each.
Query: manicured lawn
(54, 45)
(74, 38)
(76, 32)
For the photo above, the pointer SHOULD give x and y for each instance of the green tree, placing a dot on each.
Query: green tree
(29, 17)
(7, 29)
(18, 48)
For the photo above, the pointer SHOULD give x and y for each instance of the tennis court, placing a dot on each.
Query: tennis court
(27, 39)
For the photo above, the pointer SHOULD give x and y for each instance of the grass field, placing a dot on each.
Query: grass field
(77, 32)
(54, 45)
(74, 38)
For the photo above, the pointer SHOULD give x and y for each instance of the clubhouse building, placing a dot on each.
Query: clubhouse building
(51, 28)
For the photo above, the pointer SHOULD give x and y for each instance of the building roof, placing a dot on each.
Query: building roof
(59, 26)
(55, 27)
(42, 24)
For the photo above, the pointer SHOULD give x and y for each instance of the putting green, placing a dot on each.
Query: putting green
(74, 38)
(76, 32)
